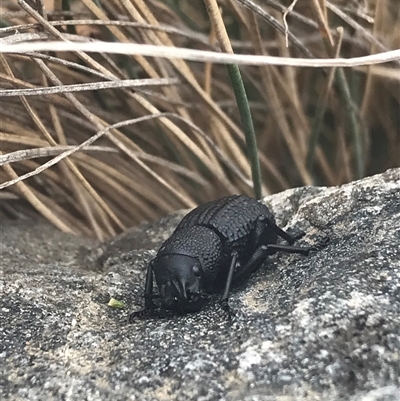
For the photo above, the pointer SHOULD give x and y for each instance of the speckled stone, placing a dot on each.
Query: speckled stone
(324, 327)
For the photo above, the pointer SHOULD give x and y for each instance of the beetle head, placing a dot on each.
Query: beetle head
(180, 282)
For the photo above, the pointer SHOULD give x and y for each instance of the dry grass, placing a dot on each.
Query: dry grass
(168, 132)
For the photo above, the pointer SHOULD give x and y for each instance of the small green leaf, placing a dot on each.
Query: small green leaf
(114, 303)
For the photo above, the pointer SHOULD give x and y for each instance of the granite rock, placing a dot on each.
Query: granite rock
(322, 327)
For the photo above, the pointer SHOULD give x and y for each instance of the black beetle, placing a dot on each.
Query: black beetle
(216, 245)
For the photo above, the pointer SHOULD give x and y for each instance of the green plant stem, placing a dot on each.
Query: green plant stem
(66, 6)
(344, 91)
(240, 94)
(345, 94)
(315, 132)
(248, 127)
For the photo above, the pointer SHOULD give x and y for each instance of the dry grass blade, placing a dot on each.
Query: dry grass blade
(127, 83)
(90, 22)
(285, 24)
(365, 33)
(199, 55)
(178, 142)
(25, 154)
(75, 149)
(277, 25)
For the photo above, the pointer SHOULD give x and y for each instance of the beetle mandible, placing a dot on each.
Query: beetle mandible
(215, 246)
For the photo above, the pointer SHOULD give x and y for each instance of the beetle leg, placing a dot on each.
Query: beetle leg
(265, 250)
(290, 249)
(264, 220)
(304, 250)
(148, 297)
(228, 283)
(225, 295)
(258, 256)
(147, 313)
(148, 292)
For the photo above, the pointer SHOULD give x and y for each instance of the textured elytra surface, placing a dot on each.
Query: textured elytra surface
(233, 217)
(196, 241)
(324, 327)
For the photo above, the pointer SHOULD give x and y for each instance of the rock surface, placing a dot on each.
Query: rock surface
(323, 327)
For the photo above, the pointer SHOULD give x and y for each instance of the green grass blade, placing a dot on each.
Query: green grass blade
(248, 127)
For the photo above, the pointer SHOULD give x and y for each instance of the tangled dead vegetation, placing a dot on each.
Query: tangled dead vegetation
(98, 142)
